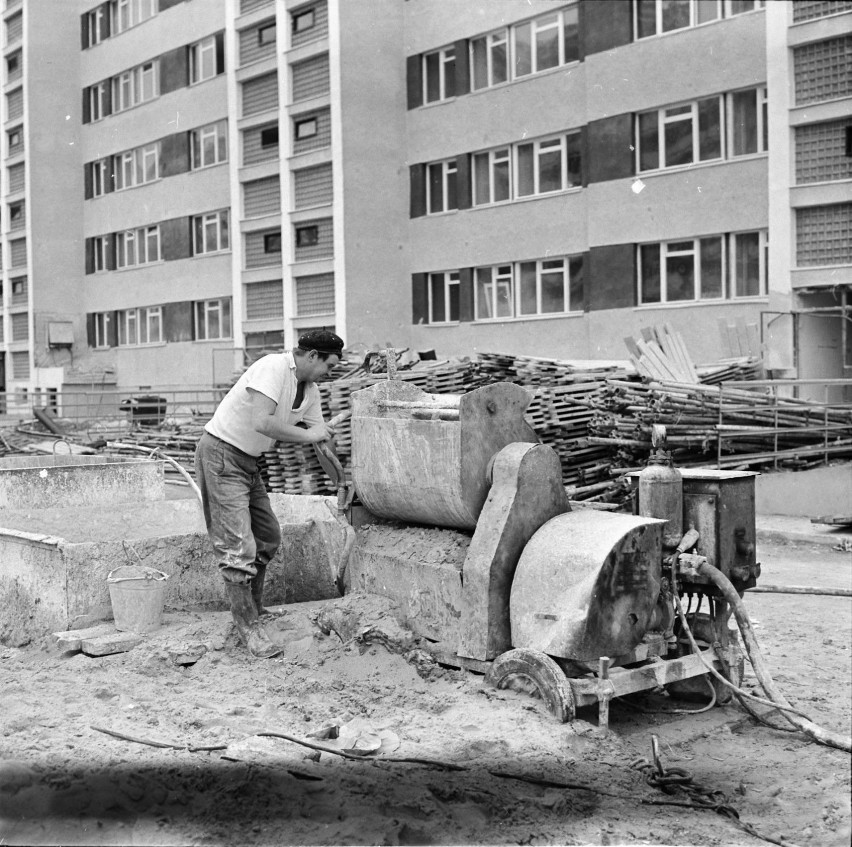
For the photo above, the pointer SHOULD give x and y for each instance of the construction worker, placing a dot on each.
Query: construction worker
(276, 399)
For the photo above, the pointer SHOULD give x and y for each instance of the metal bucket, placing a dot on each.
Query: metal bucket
(137, 594)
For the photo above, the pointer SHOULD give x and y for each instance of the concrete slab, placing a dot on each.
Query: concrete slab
(107, 645)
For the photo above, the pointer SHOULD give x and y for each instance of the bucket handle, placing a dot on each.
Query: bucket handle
(152, 573)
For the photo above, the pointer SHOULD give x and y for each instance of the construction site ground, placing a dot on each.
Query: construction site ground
(517, 777)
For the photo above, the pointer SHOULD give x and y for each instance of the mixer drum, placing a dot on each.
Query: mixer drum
(586, 585)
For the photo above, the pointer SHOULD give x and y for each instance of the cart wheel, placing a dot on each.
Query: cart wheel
(535, 673)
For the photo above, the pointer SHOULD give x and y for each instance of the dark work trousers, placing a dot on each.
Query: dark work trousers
(243, 530)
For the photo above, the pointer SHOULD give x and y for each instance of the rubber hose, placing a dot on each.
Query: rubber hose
(818, 733)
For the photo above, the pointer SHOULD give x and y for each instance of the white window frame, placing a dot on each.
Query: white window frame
(218, 132)
(540, 270)
(135, 86)
(150, 327)
(495, 157)
(100, 176)
(763, 251)
(446, 55)
(447, 280)
(665, 250)
(97, 96)
(125, 14)
(551, 20)
(449, 168)
(204, 309)
(128, 328)
(664, 119)
(541, 146)
(298, 16)
(102, 321)
(100, 248)
(301, 124)
(761, 119)
(502, 279)
(216, 224)
(202, 54)
(95, 21)
(491, 41)
(142, 245)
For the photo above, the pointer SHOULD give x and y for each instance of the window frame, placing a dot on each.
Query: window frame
(761, 129)
(133, 12)
(100, 251)
(201, 53)
(449, 186)
(218, 131)
(140, 240)
(502, 275)
(97, 100)
(762, 263)
(664, 120)
(305, 235)
(95, 20)
(269, 241)
(449, 283)
(537, 153)
(505, 156)
(300, 123)
(201, 314)
(220, 223)
(446, 80)
(490, 41)
(102, 321)
(296, 16)
(263, 41)
(697, 10)
(135, 86)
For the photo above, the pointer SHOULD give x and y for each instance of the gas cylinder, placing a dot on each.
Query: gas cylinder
(661, 489)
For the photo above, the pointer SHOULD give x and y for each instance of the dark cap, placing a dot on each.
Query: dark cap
(322, 341)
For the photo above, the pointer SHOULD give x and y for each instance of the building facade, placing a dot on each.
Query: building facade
(189, 182)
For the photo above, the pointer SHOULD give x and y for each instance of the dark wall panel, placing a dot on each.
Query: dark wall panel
(174, 70)
(419, 299)
(610, 143)
(605, 24)
(611, 281)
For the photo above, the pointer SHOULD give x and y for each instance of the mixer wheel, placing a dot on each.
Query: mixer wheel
(535, 673)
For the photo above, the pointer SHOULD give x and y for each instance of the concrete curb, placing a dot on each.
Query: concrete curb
(780, 536)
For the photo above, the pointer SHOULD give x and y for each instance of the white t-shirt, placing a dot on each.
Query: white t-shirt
(275, 376)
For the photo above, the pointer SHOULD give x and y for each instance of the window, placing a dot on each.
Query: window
(303, 20)
(696, 268)
(133, 87)
(137, 246)
(748, 263)
(213, 319)
(15, 139)
(100, 248)
(16, 215)
(549, 286)
(444, 297)
(209, 145)
(306, 236)
(210, 233)
(269, 136)
(441, 193)
(102, 321)
(266, 34)
(493, 292)
(202, 60)
(96, 24)
(546, 42)
(439, 77)
(306, 128)
(100, 177)
(654, 17)
(749, 125)
(134, 167)
(137, 326)
(19, 288)
(272, 242)
(492, 177)
(680, 135)
(13, 66)
(489, 58)
(128, 13)
(97, 101)
(549, 165)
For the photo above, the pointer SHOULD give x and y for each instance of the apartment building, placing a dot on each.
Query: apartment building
(188, 180)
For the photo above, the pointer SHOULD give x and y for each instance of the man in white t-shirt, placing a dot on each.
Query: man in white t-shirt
(276, 399)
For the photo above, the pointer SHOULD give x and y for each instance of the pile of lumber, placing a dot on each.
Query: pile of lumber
(661, 355)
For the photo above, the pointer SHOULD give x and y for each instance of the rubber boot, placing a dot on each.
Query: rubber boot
(248, 626)
(257, 589)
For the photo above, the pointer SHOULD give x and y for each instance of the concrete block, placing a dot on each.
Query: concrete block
(41, 482)
(106, 645)
(73, 639)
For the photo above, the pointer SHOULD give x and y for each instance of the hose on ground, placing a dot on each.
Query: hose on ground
(776, 698)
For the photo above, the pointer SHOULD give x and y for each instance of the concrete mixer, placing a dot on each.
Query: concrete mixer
(464, 522)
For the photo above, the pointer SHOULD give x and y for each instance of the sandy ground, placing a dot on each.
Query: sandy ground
(521, 778)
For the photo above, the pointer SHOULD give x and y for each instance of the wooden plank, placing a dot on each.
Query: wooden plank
(654, 355)
(674, 352)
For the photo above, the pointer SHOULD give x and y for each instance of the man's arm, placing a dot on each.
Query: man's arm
(263, 421)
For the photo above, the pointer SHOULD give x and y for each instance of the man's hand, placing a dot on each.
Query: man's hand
(320, 432)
